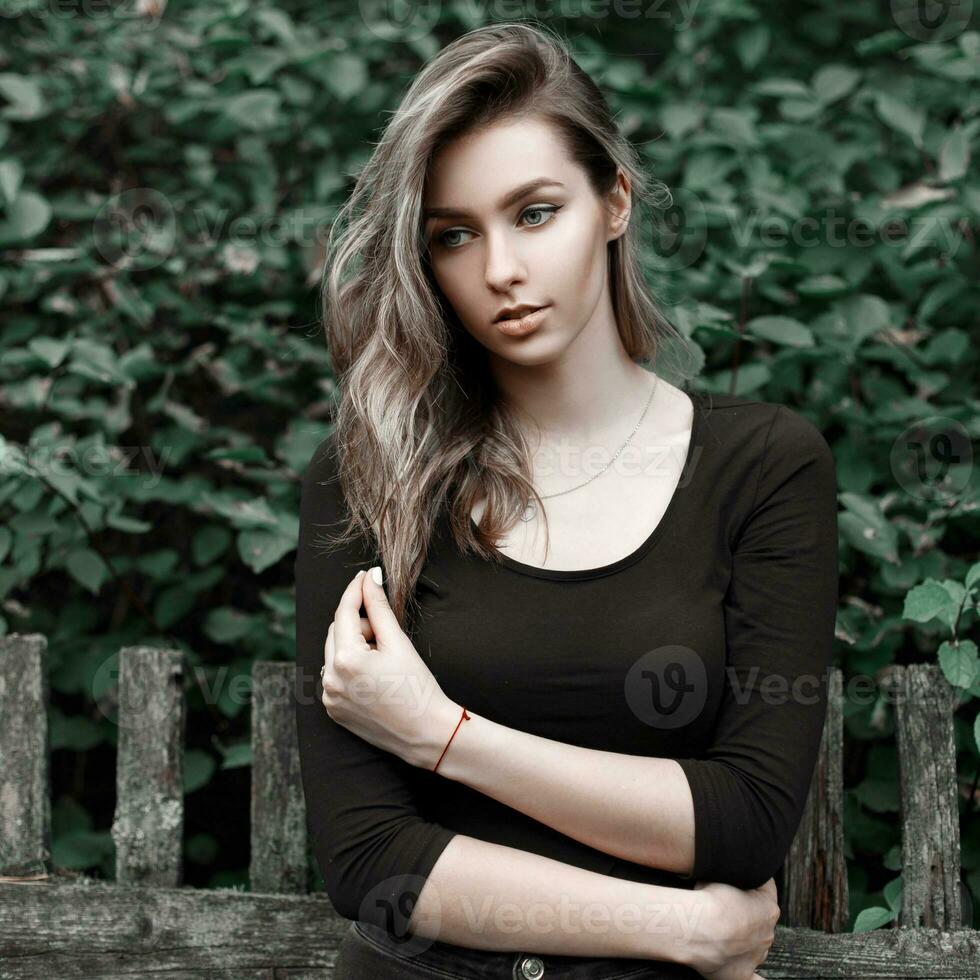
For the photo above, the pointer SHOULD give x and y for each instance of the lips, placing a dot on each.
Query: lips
(519, 326)
(516, 312)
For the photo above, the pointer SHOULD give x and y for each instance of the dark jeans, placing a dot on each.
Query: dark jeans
(370, 953)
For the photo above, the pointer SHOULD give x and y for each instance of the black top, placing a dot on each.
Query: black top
(709, 644)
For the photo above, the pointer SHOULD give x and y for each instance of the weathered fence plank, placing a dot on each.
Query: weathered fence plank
(278, 833)
(25, 793)
(94, 929)
(815, 874)
(148, 828)
(924, 702)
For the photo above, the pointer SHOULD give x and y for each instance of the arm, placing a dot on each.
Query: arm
(365, 827)
(488, 896)
(633, 807)
(731, 816)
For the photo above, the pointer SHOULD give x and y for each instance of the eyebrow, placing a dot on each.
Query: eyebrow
(512, 197)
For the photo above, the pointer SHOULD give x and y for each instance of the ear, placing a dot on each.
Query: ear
(619, 204)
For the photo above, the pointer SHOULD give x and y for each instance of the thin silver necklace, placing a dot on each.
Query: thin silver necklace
(530, 509)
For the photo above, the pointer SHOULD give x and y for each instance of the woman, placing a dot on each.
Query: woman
(573, 731)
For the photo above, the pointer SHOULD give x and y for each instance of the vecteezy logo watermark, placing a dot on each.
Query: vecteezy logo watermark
(932, 459)
(932, 20)
(387, 908)
(126, 705)
(667, 687)
(135, 229)
(147, 12)
(402, 20)
(95, 460)
(680, 232)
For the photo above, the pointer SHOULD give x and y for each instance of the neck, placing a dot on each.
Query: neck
(594, 393)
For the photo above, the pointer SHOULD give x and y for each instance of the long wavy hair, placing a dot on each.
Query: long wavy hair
(420, 425)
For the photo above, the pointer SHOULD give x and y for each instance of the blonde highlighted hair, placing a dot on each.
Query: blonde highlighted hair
(418, 427)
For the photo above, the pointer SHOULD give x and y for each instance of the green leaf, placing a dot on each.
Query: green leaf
(226, 625)
(873, 918)
(780, 330)
(972, 576)
(129, 525)
(864, 527)
(239, 454)
(237, 755)
(243, 514)
(880, 795)
(173, 604)
(823, 287)
(11, 175)
(81, 849)
(24, 94)
(833, 82)
(752, 43)
(158, 564)
(198, 768)
(893, 894)
(258, 109)
(50, 350)
(928, 601)
(209, 542)
(28, 216)
(260, 549)
(749, 378)
(787, 88)
(864, 316)
(800, 110)
(87, 568)
(902, 117)
(959, 663)
(954, 155)
(347, 76)
(680, 118)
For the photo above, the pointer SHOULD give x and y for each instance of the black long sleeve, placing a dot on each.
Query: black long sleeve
(373, 847)
(751, 787)
(740, 575)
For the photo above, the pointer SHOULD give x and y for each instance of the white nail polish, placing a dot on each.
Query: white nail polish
(376, 574)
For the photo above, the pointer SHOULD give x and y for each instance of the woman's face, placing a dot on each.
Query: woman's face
(490, 248)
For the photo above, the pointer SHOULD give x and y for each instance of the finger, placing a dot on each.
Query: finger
(328, 658)
(380, 614)
(346, 620)
(367, 631)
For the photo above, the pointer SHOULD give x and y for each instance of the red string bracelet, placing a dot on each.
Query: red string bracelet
(465, 717)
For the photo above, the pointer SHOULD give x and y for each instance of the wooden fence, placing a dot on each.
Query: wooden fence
(56, 924)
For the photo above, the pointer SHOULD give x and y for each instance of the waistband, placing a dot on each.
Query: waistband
(479, 964)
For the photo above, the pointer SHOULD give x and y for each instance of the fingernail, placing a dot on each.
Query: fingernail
(359, 574)
(376, 574)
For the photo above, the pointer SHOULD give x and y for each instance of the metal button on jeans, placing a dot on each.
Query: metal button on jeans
(532, 967)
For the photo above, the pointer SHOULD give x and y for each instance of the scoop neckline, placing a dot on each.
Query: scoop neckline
(578, 574)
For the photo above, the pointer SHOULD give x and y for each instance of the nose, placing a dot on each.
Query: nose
(504, 265)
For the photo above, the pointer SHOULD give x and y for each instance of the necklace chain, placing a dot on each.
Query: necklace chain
(531, 509)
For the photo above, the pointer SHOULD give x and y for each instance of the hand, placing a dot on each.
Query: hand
(736, 937)
(375, 683)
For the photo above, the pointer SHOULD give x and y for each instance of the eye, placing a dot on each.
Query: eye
(549, 209)
(541, 209)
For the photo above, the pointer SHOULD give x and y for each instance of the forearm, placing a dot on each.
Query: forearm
(489, 896)
(635, 808)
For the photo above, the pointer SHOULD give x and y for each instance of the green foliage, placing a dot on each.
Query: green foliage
(165, 184)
